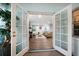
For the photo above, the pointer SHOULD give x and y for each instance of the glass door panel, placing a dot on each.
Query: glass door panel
(64, 14)
(57, 31)
(64, 45)
(64, 30)
(18, 29)
(57, 43)
(18, 48)
(64, 38)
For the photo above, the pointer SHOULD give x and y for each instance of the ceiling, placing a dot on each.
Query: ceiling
(40, 19)
(43, 7)
(46, 7)
(37, 8)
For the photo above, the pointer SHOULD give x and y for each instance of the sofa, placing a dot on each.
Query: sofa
(48, 34)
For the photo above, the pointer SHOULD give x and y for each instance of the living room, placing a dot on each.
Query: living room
(41, 27)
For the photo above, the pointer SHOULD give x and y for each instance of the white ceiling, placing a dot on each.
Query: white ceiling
(44, 19)
(46, 7)
(43, 7)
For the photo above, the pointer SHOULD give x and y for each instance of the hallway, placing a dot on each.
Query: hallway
(41, 43)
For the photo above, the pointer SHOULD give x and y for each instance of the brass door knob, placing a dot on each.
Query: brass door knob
(14, 34)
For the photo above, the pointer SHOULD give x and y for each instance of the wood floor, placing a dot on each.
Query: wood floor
(47, 53)
(41, 43)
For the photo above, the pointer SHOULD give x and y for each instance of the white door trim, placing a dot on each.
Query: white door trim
(13, 30)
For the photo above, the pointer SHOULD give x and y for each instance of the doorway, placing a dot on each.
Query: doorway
(61, 19)
(40, 31)
(41, 35)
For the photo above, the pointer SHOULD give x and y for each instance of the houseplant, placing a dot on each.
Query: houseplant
(5, 16)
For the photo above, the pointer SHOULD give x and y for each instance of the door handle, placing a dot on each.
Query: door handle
(14, 34)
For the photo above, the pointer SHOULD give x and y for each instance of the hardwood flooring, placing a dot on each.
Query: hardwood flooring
(41, 43)
(44, 53)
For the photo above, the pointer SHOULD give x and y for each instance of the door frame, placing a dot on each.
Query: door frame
(13, 32)
(42, 13)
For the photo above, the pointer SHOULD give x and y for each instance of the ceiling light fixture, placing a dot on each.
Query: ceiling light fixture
(39, 16)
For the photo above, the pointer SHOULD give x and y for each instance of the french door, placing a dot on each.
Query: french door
(19, 31)
(63, 31)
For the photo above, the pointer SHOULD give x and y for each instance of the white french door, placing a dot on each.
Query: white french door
(19, 31)
(62, 26)
(62, 31)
